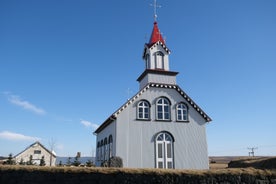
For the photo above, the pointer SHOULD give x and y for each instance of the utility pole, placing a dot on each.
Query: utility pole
(251, 152)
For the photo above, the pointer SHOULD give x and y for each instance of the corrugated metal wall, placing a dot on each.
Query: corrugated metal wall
(135, 139)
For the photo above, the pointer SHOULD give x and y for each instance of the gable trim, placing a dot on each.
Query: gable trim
(151, 46)
(37, 142)
(156, 85)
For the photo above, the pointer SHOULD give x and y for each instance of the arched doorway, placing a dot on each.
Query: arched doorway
(164, 150)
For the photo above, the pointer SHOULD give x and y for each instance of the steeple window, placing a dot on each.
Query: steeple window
(147, 61)
(159, 60)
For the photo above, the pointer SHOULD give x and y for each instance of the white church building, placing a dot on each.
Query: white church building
(160, 126)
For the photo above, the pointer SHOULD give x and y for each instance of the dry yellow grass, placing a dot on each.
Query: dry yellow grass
(220, 170)
(214, 166)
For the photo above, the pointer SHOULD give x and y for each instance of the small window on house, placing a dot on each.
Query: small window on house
(37, 151)
(163, 109)
(143, 110)
(181, 112)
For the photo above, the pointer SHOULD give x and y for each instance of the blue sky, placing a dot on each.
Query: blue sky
(65, 66)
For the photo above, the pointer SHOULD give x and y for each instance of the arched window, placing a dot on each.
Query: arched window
(102, 150)
(181, 112)
(159, 60)
(164, 150)
(98, 151)
(105, 149)
(143, 110)
(110, 140)
(163, 109)
(147, 61)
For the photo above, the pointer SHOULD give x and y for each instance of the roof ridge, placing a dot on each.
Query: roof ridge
(36, 142)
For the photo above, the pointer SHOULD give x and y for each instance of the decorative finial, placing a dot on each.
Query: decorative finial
(155, 6)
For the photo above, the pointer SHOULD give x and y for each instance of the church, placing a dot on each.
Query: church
(160, 126)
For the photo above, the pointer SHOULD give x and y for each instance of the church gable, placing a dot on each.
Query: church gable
(175, 87)
(134, 99)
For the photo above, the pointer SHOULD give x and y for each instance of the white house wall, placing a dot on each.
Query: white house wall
(135, 138)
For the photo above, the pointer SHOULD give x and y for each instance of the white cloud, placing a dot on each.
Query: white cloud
(89, 124)
(17, 137)
(16, 100)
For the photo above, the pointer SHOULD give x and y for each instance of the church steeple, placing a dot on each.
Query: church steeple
(156, 57)
(155, 35)
(156, 53)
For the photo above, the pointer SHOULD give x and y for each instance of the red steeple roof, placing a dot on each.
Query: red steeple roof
(155, 35)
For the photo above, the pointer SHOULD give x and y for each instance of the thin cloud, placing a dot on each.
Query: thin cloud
(16, 100)
(17, 137)
(89, 124)
(60, 146)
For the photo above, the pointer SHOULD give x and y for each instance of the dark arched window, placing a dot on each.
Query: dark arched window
(105, 149)
(163, 109)
(143, 110)
(181, 112)
(98, 151)
(110, 140)
(102, 151)
(147, 61)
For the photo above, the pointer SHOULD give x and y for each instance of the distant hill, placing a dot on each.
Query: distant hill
(227, 159)
(3, 158)
(82, 160)
(258, 163)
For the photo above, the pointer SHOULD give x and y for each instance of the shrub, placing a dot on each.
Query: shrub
(30, 162)
(106, 163)
(42, 161)
(10, 160)
(89, 163)
(22, 162)
(76, 161)
(115, 162)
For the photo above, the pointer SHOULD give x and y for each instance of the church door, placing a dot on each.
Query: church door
(164, 151)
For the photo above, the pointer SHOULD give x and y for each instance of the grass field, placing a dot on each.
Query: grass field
(255, 162)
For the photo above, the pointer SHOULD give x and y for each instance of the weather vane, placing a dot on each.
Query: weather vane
(155, 6)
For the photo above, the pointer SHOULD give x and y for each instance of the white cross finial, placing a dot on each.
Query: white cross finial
(155, 6)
